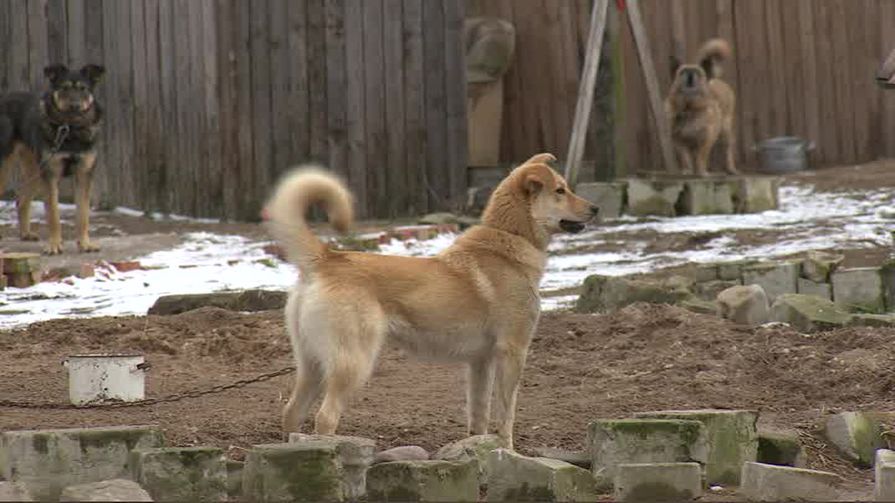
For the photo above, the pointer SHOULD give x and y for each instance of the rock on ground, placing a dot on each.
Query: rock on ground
(430, 480)
(856, 435)
(658, 482)
(745, 305)
(807, 313)
(513, 477)
(248, 300)
(476, 447)
(818, 265)
(762, 482)
(884, 475)
(781, 448)
(181, 473)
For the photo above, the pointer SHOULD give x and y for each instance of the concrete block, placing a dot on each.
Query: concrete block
(745, 305)
(577, 458)
(608, 196)
(181, 473)
(887, 273)
(700, 306)
(873, 320)
(653, 197)
(14, 491)
(658, 482)
(808, 313)
(709, 290)
(856, 435)
(859, 289)
(761, 482)
(431, 480)
(809, 287)
(732, 439)
(601, 293)
(47, 461)
(818, 265)
(402, 453)
(781, 448)
(234, 479)
(355, 455)
(627, 441)
(300, 471)
(753, 194)
(513, 477)
(702, 273)
(476, 447)
(706, 197)
(733, 270)
(884, 475)
(106, 490)
(777, 278)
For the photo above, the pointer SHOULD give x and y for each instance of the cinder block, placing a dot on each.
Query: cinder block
(706, 197)
(822, 290)
(47, 461)
(762, 482)
(430, 480)
(653, 197)
(732, 439)
(658, 482)
(859, 289)
(513, 477)
(777, 278)
(884, 475)
(181, 473)
(754, 194)
(608, 196)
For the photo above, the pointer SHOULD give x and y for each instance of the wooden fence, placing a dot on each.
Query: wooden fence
(208, 101)
(800, 67)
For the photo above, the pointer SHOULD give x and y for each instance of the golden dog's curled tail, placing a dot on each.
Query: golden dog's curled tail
(712, 54)
(286, 212)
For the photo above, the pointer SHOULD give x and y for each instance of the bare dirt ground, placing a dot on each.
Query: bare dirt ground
(581, 367)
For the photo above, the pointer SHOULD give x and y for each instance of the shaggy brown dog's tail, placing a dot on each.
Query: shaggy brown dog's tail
(711, 55)
(286, 212)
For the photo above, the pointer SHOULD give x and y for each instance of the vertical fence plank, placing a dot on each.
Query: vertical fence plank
(246, 115)
(433, 46)
(414, 107)
(317, 79)
(374, 101)
(791, 63)
(136, 177)
(75, 32)
(154, 132)
(297, 69)
(809, 91)
(828, 145)
(260, 88)
(57, 28)
(845, 107)
(6, 21)
(455, 100)
(354, 102)
(279, 88)
(393, 57)
(335, 87)
(211, 163)
(38, 56)
(776, 65)
(225, 23)
(167, 95)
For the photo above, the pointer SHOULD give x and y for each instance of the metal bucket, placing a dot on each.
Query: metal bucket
(99, 377)
(783, 154)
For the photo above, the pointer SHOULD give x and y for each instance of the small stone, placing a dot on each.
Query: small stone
(818, 265)
(808, 313)
(856, 435)
(403, 453)
(514, 477)
(777, 278)
(859, 290)
(431, 480)
(242, 301)
(745, 305)
(732, 439)
(601, 293)
(781, 448)
(14, 491)
(476, 447)
(126, 266)
(181, 473)
(653, 197)
(761, 482)
(608, 196)
(658, 482)
(87, 270)
(809, 287)
(884, 475)
(577, 458)
(106, 490)
(626, 441)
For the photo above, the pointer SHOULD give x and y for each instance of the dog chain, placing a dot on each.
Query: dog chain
(176, 397)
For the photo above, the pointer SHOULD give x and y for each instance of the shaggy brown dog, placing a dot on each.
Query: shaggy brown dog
(700, 109)
(476, 302)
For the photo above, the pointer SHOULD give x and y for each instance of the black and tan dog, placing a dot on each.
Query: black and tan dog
(51, 137)
(700, 109)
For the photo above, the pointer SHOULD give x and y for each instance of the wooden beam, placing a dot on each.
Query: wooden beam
(586, 90)
(652, 83)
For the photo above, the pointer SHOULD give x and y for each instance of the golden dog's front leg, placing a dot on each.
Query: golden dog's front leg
(83, 185)
(510, 362)
(480, 381)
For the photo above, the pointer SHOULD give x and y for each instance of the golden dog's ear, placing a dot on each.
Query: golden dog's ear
(535, 177)
(541, 158)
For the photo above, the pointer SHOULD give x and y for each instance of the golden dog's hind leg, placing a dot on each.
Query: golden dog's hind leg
(480, 382)
(307, 388)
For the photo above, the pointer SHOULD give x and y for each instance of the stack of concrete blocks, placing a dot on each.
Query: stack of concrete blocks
(678, 196)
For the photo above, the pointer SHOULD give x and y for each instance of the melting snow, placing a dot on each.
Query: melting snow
(210, 262)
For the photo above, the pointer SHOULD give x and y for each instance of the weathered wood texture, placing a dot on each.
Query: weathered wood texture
(209, 101)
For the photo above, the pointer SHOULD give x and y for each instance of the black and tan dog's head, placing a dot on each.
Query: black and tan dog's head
(72, 90)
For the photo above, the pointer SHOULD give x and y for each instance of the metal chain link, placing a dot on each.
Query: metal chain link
(176, 397)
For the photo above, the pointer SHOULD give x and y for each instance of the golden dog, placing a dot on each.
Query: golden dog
(476, 302)
(700, 109)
